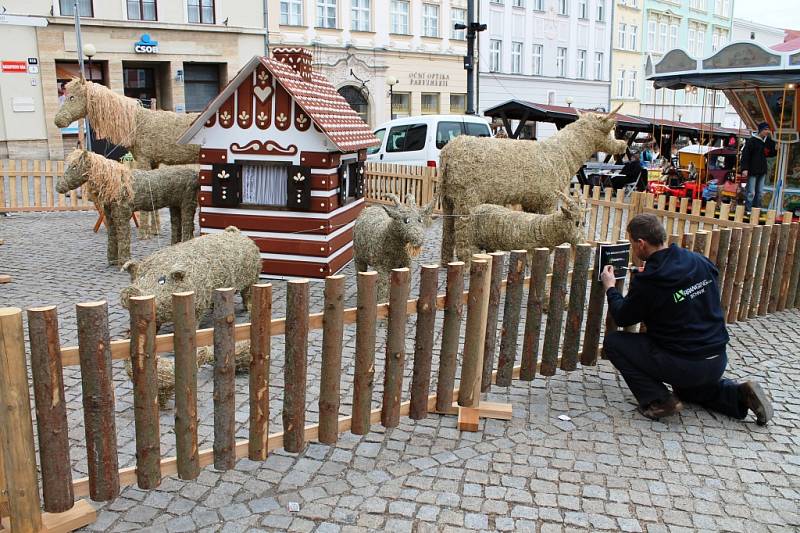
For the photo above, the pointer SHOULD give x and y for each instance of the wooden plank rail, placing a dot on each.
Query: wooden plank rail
(30, 186)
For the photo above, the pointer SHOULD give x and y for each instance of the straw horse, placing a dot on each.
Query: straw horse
(151, 136)
(121, 191)
(505, 172)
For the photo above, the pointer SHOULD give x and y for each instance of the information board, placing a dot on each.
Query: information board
(616, 255)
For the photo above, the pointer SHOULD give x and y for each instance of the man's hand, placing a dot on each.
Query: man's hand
(607, 277)
(744, 173)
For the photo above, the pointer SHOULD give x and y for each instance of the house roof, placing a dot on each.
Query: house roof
(317, 98)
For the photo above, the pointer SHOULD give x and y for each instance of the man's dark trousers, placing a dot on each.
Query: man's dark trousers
(646, 367)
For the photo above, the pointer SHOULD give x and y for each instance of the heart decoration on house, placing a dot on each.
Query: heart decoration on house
(262, 93)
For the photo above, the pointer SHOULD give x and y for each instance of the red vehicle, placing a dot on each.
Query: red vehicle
(699, 166)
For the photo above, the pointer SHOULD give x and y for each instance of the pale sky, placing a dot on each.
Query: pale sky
(778, 13)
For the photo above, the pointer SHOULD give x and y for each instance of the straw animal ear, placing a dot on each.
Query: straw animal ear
(132, 268)
(177, 274)
(426, 212)
(411, 200)
(394, 198)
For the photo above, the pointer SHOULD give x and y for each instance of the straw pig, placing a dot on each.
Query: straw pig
(504, 171)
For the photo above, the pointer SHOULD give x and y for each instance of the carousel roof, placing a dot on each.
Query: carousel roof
(738, 65)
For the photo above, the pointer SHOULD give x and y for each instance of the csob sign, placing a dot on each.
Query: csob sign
(146, 45)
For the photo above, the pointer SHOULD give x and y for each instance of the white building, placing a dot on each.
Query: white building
(546, 51)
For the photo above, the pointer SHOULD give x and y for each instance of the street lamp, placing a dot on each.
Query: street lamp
(391, 81)
(569, 101)
(89, 51)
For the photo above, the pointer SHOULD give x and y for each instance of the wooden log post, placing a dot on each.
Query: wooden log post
(750, 270)
(423, 342)
(511, 311)
(330, 379)
(577, 302)
(788, 268)
(688, 241)
(555, 310)
(533, 316)
(713, 248)
(94, 346)
(477, 304)
(794, 293)
(395, 347)
(295, 366)
(224, 320)
(145, 391)
(731, 266)
(769, 269)
(721, 260)
(16, 437)
(594, 315)
(741, 270)
(51, 410)
(364, 374)
(490, 344)
(700, 242)
(777, 270)
(260, 352)
(761, 268)
(451, 331)
(186, 421)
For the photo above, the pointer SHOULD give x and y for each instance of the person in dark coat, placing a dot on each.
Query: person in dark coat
(753, 163)
(676, 295)
(630, 173)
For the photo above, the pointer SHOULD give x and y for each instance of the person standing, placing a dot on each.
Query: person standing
(753, 163)
(676, 295)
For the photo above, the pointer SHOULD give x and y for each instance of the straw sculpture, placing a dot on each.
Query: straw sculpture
(120, 191)
(505, 172)
(389, 236)
(149, 225)
(225, 259)
(493, 227)
(150, 135)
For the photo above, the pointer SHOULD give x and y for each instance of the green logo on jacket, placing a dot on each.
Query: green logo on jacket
(679, 296)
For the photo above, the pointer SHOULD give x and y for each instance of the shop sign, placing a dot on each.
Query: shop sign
(428, 79)
(145, 45)
(14, 66)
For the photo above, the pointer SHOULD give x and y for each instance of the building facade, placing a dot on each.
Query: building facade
(546, 51)
(627, 65)
(177, 53)
(362, 45)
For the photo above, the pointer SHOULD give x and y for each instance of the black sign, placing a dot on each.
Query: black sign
(33, 61)
(616, 255)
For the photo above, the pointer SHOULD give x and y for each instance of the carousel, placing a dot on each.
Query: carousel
(760, 83)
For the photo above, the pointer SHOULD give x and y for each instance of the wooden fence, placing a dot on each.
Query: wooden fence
(31, 186)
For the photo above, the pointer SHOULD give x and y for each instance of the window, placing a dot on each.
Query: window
(430, 103)
(326, 13)
(673, 36)
(201, 11)
(516, 58)
(380, 134)
(409, 138)
(264, 184)
(458, 104)
(357, 100)
(142, 10)
(620, 83)
(718, 7)
(632, 85)
(518, 3)
(692, 40)
(633, 37)
(359, 17)
(581, 65)
(621, 34)
(563, 7)
(446, 132)
(662, 36)
(200, 85)
(726, 8)
(477, 129)
(430, 20)
(537, 60)
(457, 16)
(715, 42)
(401, 105)
(598, 65)
(701, 43)
(561, 62)
(583, 9)
(651, 35)
(85, 8)
(292, 12)
(400, 16)
(601, 10)
(495, 47)
(538, 5)
(500, 2)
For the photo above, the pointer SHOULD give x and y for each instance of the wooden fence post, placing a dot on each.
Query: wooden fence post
(330, 379)
(788, 268)
(296, 366)
(363, 380)
(533, 316)
(721, 260)
(16, 438)
(555, 310)
(688, 241)
(490, 343)
(731, 264)
(511, 311)
(94, 347)
(185, 345)
(395, 347)
(260, 352)
(423, 343)
(594, 315)
(793, 300)
(713, 249)
(700, 242)
(145, 391)
(51, 410)
(750, 269)
(451, 331)
(761, 267)
(225, 379)
(769, 270)
(777, 271)
(477, 304)
(741, 268)
(577, 302)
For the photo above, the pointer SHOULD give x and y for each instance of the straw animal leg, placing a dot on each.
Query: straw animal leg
(247, 295)
(448, 231)
(464, 247)
(187, 219)
(175, 224)
(111, 245)
(383, 285)
(121, 218)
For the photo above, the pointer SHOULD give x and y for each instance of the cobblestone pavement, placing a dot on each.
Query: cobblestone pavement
(605, 468)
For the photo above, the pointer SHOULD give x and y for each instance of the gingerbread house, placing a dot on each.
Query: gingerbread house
(282, 159)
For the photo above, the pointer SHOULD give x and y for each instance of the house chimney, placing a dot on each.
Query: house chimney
(297, 58)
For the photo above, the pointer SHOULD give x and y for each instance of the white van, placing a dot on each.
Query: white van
(418, 140)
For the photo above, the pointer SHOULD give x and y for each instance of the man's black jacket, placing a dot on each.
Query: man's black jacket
(677, 298)
(755, 153)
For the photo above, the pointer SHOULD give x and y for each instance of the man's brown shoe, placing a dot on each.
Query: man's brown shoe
(754, 397)
(662, 408)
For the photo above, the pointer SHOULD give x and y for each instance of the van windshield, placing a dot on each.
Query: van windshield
(446, 132)
(379, 134)
(477, 129)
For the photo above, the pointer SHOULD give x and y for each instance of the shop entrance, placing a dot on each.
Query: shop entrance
(140, 83)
